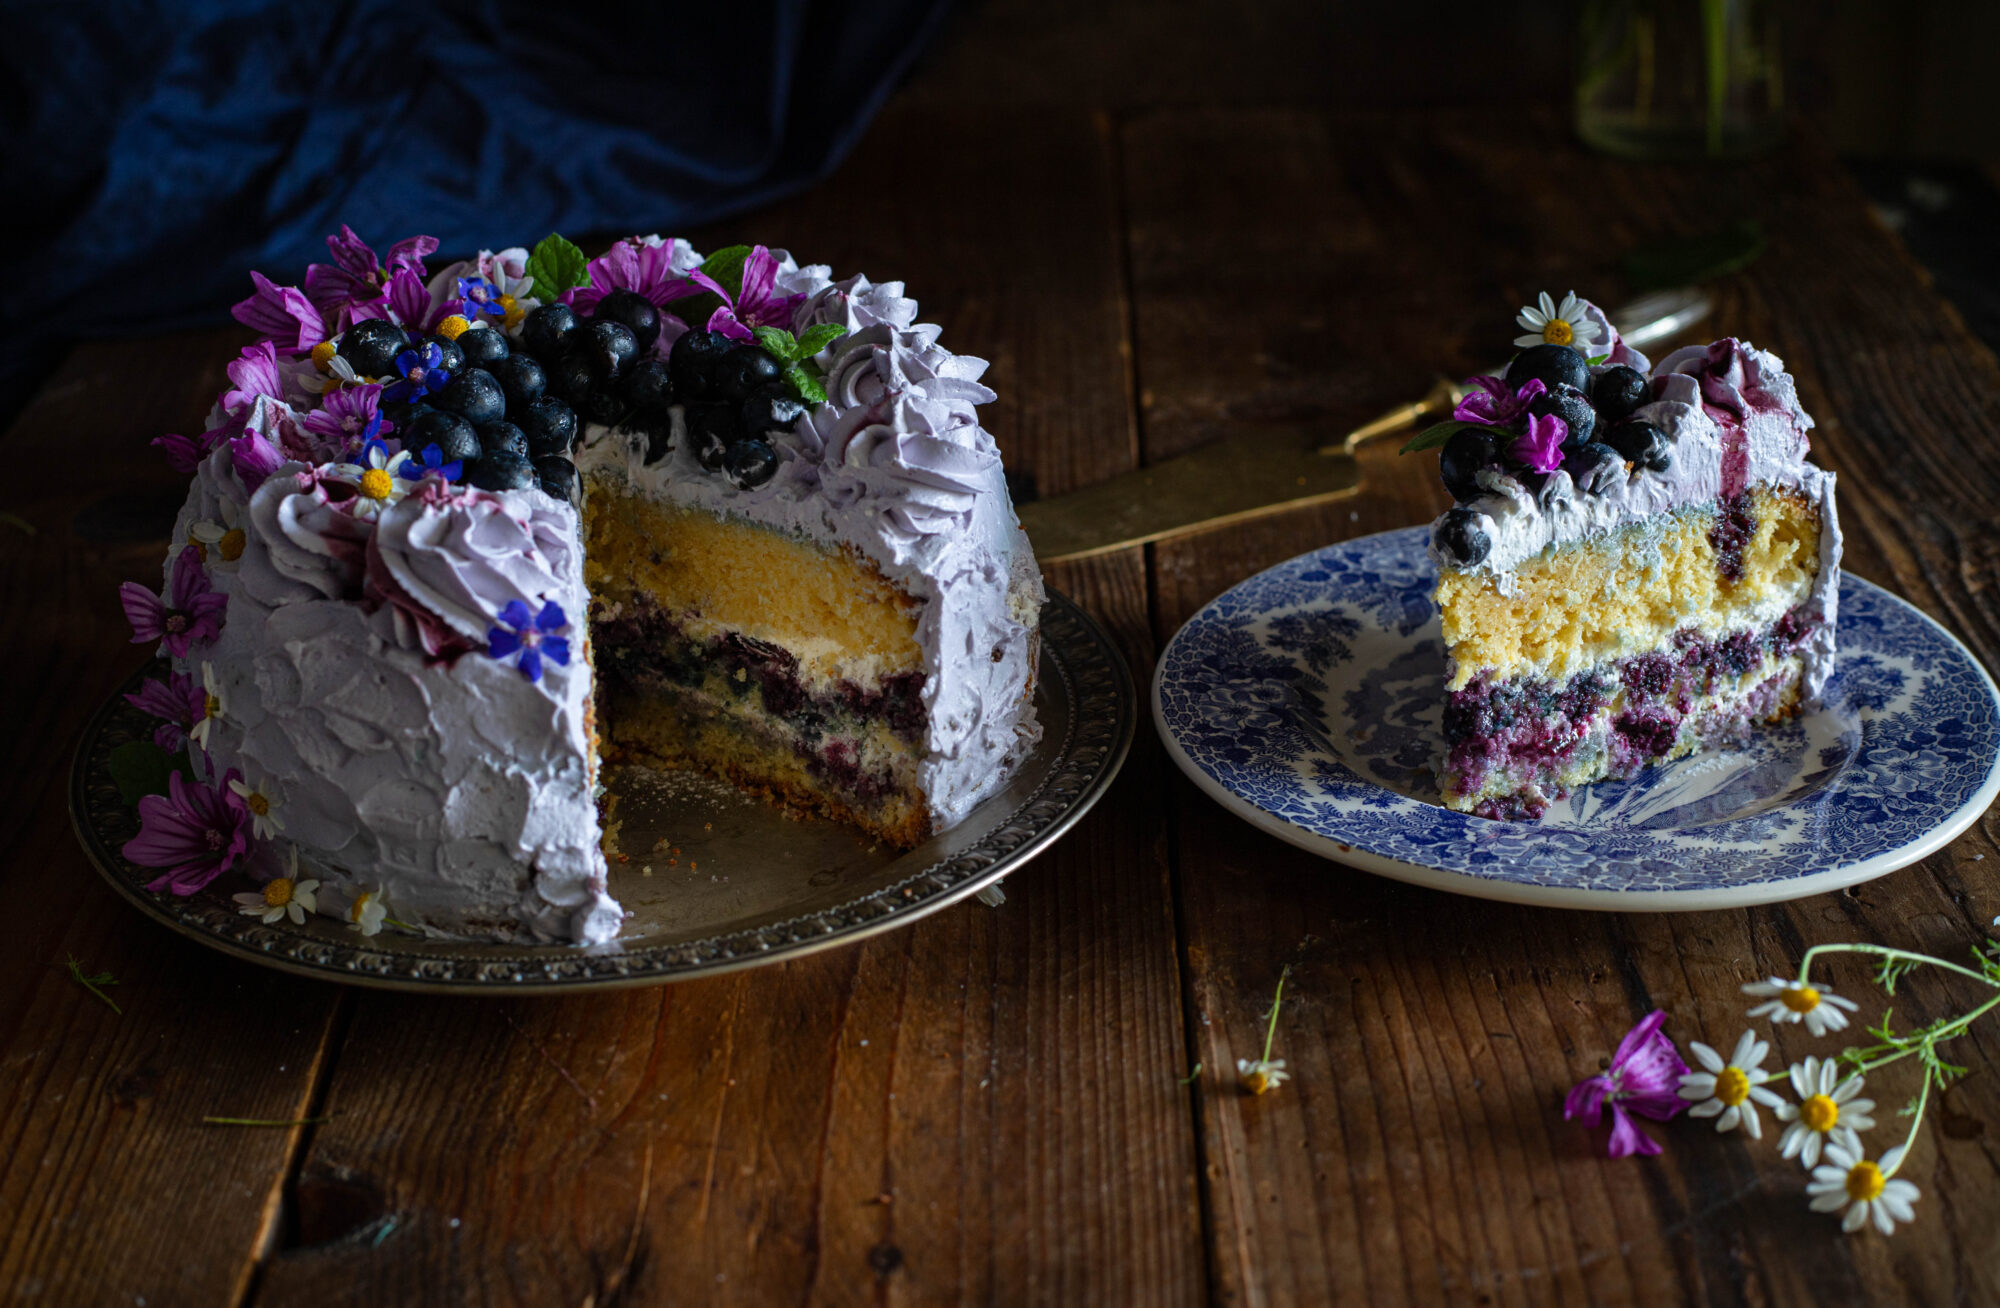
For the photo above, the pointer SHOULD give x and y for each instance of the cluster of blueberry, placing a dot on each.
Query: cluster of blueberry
(1603, 437)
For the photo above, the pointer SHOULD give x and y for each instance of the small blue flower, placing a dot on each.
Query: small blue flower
(430, 464)
(423, 373)
(480, 296)
(535, 637)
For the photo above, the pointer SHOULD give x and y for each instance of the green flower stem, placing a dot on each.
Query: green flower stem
(1883, 951)
(1863, 1062)
(1916, 1121)
(1271, 1031)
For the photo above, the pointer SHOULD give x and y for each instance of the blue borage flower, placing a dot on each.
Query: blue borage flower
(480, 296)
(431, 464)
(423, 373)
(535, 637)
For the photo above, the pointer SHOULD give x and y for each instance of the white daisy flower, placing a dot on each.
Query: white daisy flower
(211, 705)
(1730, 1091)
(1864, 1189)
(367, 912)
(329, 371)
(1557, 324)
(1261, 1074)
(1795, 1001)
(281, 897)
(219, 541)
(379, 475)
(264, 820)
(1827, 1114)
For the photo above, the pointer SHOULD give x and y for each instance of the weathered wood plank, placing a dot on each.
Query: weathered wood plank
(1420, 1153)
(981, 1108)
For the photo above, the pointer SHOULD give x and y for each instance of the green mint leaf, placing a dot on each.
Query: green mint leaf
(818, 337)
(1432, 437)
(556, 266)
(806, 383)
(726, 267)
(781, 344)
(1596, 359)
(139, 768)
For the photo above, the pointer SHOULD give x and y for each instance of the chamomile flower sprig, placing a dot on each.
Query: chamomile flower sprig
(1266, 1073)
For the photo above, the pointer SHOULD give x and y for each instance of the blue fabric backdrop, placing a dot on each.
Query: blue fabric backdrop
(156, 152)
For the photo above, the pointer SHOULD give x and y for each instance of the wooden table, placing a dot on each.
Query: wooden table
(994, 1105)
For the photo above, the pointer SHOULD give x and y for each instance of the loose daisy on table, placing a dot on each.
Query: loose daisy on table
(1730, 1091)
(1259, 1075)
(1549, 323)
(1864, 1189)
(1827, 1113)
(1795, 1001)
(281, 897)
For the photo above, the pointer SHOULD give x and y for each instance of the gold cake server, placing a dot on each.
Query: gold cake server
(1242, 477)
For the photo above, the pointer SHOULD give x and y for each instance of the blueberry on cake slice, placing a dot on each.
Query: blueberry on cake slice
(1640, 563)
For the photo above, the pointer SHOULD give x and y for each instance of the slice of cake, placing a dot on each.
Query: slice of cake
(450, 534)
(1641, 563)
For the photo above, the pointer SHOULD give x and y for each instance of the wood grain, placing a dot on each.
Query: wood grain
(1420, 1155)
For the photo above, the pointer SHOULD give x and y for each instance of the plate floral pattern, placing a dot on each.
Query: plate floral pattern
(1308, 700)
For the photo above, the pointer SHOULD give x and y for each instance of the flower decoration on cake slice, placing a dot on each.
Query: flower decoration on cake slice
(219, 541)
(1829, 1112)
(194, 617)
(1795, 1001)
(1492, 401)
(1539, 445)
(347, 420)
(179, 702)
(281, 897)
(534, 637)
(655, 269)
(431, 463)
(1643, 1078)
(376, 475)
(1866, 1190)
(184, 453)
(211, 705)
(1730, 1091)
(194, 832)
(1549, 323)
(422, 373)
(262, 802)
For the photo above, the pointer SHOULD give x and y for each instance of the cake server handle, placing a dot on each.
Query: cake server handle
(1644, 322)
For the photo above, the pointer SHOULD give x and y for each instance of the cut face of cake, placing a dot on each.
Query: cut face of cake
(1641, 563)
(453, 538)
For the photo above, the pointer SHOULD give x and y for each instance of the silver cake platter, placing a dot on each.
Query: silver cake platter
(714, 880)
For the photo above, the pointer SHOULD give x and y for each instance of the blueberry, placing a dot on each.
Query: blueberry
(550, 425)
(401, 413)
(484, 347)
(1569, 404)
(693, 359)
(749, 463)
(601, 404)
(1461, 459)
(453, 356)
(1642, 443)
(744, 371)
(636, 312)
(502, 470)
(452, 434)
(1617, 391)
(1461, 537)
(521, 380)
(774, 408)
(547, 329)
(372, 345)
(713, 429)
(647, 387)
(609, 347)
(570, 378)
(1552, 365)
(474, 395)
(1594, 467)
(503, 438)
(658, 429)
(558, 476)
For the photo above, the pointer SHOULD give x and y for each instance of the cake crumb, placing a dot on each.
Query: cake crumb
(624, 858)
(646, 871)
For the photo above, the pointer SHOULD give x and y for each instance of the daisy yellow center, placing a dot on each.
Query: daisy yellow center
(257, 804)
(1865, 1182)
(1732, 1087)
(1557, 332)
(1803, 1000)
(211, 706)
(322, 356)
(1819, 1113)
(453, 327)
(231, 544)
(375, 484)
(513, 311)
(278, 893)
(360, 905)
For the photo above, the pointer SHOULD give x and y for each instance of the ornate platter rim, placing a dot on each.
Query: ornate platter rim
(1079, 662)
(1351, 847)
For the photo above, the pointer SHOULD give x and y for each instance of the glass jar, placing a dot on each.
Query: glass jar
(1680, 79)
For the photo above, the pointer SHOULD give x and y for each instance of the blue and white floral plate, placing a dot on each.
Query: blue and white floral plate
(1308, 701)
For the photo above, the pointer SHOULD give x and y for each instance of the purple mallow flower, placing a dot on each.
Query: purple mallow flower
(1493, 402)
(535, 637)
(635, 266)
(255, 459)
(253, 373)
(1644, 1078)
(179, 702)
(756, 305)
(430, 464)
(195, 616)
(349, 419)
(283, 313)
(423, 373)
(194, 832)
(356, 278)
(185, 453)
(1540, 446)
